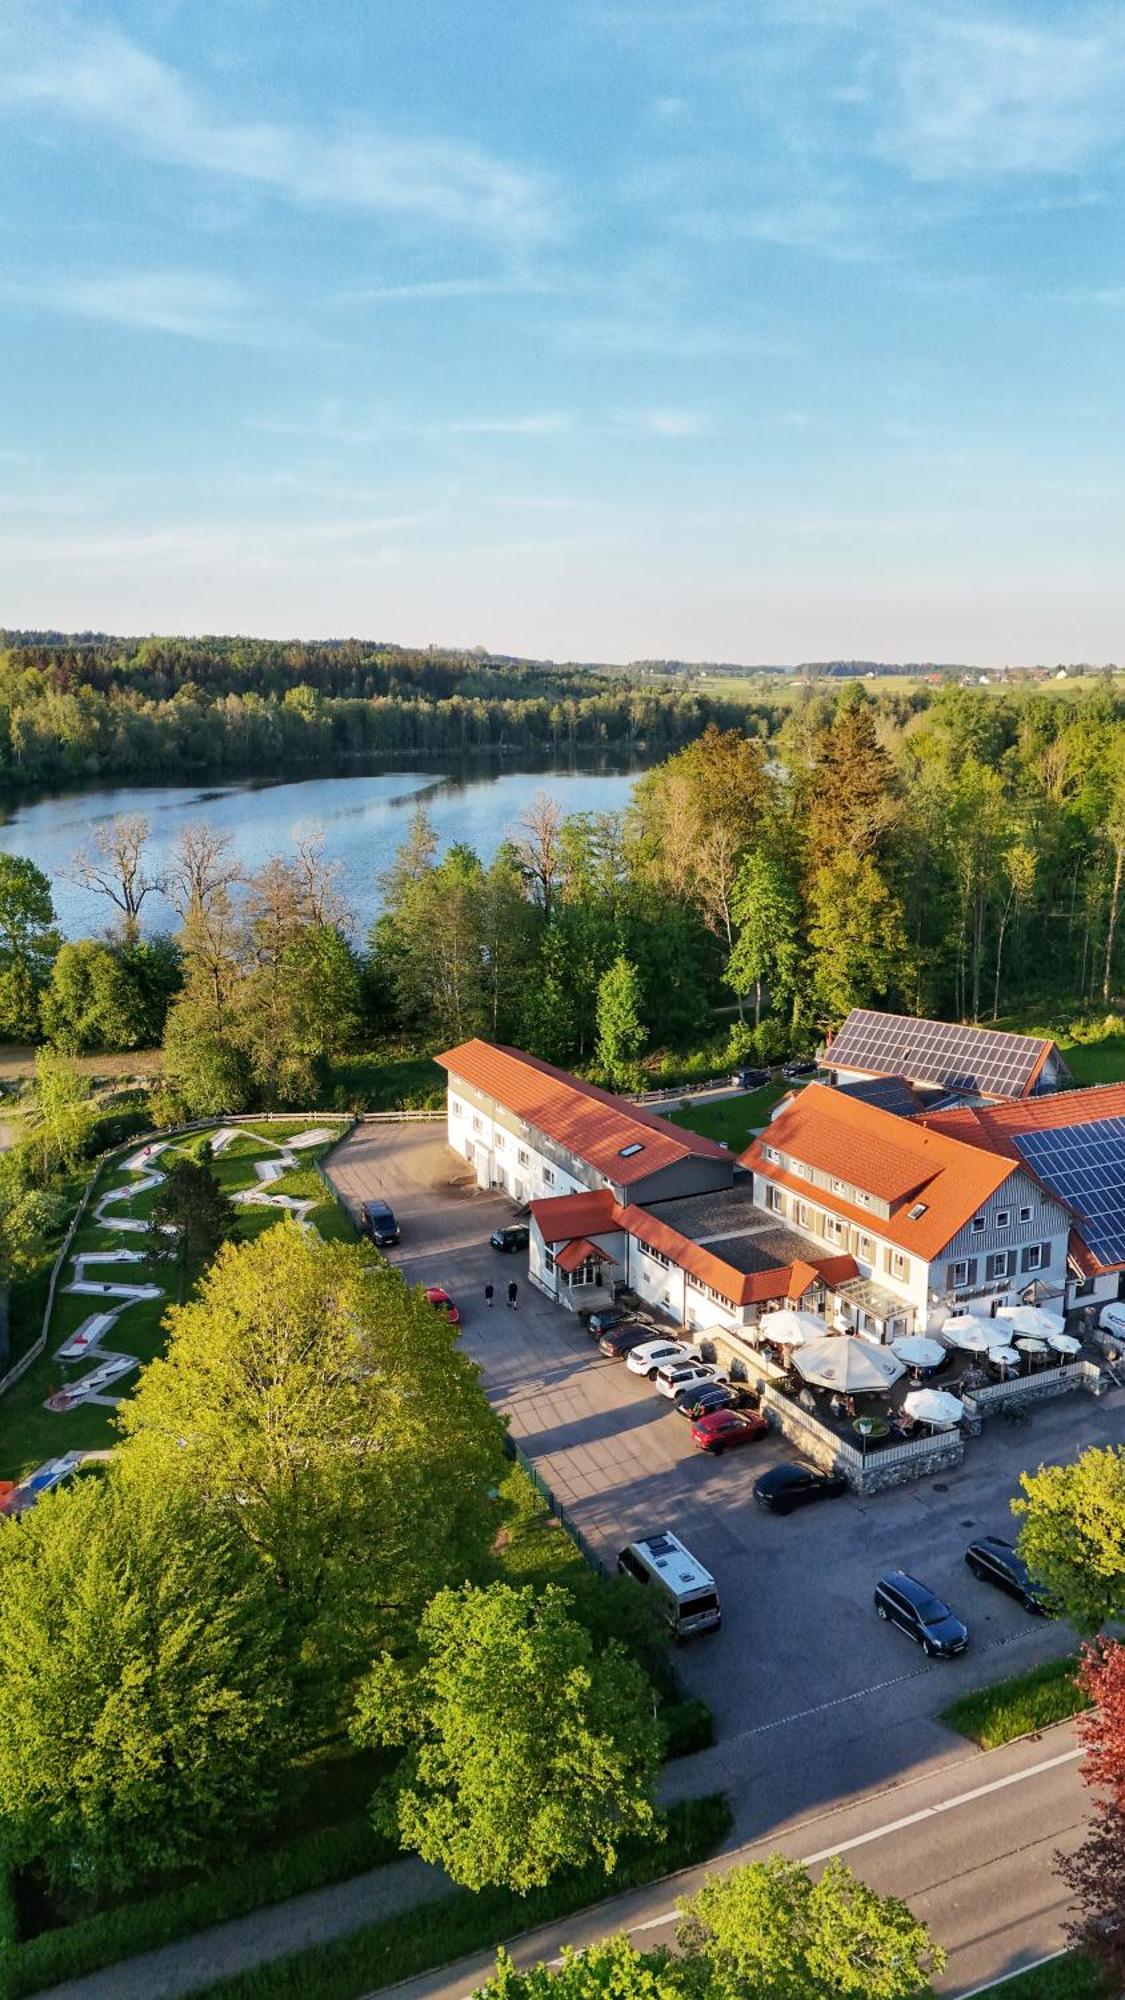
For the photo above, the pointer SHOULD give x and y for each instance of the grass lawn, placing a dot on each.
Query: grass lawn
(995, 1715)
(394, 1078)
(731, 1120)
(1070, 1977)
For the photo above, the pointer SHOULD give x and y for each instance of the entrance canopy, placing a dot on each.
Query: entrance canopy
(578, 1252)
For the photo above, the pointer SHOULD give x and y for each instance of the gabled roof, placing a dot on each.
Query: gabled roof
(954, 1056)
(623, 1141)
(574, 1253)
(561, 1216)
(880, 1154)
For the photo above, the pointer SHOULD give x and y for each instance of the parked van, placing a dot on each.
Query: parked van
(1112, 1318)
(684, 1591)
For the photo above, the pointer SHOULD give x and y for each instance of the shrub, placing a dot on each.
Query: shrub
(688, 1726)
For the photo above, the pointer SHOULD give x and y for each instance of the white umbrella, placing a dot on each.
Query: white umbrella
(1004, 1357)
(1029, 1346)
(964, 1330)
(918, 1352)
(1032, 1319)
(1064, 1343)
(933, 1406)
(853, 1367)
(790, 1328)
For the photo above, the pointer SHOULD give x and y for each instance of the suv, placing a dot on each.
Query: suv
(923, 1617)
(800, 1066)
(994, 1561)
(654, 1354)
(750, 1079)
(600, 1322)
(677, 1375)
(379, 1223)
(514, 1236)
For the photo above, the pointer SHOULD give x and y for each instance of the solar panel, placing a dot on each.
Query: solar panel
(967, 1060)
(1085, 1166)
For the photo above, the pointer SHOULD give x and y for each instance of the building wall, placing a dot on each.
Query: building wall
(518, 1156)
(896, 1271)
(694, 1175)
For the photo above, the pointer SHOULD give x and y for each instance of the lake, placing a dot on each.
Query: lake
(363, 818)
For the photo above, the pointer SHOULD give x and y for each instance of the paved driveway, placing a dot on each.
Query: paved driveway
(814, 1698)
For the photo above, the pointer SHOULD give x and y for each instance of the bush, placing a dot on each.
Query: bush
(438, 1933)
(688, 1726)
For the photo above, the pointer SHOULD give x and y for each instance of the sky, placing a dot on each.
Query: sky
(584, 330)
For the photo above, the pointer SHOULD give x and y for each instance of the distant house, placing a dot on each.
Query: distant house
(942, 1058)
(935, 1223)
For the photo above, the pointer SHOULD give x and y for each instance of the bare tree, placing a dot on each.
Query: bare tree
(114, 865)
(319, 885)
(201, 864)
(539, 847)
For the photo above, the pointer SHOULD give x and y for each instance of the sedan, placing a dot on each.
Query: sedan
(656, 1353)
(678, 1375)
(923, 1616)
(620, 1340)
(784, 1487)
(442, 1303)
(514, 1237)
(997, 1562)
(801, 1066)
(725, 1430)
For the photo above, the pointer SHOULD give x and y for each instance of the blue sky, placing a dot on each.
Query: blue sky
(581, 329)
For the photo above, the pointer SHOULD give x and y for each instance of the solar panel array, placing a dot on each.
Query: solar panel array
(1085, 1166)
(970, 1061)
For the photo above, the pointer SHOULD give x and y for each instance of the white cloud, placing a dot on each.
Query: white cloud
(664, 423)
(446, 288)
(50, 59)
(548, 424)
(182, 302)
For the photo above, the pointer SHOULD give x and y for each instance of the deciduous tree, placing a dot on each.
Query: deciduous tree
(28, 944)
(114, 866)
(612, 1969)
(1095, 1872)
(1072, 1534)
(191, 1216)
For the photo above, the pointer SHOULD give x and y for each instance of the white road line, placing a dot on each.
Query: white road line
(898, 1825)
(994, 1985)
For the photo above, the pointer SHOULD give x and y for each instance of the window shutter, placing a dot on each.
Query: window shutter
(951, 1278)
(972, 1271)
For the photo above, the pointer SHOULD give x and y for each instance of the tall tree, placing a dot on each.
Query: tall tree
(202, 865)
(1072, 1534)
(851, 791)
(29, 942)
(527, 1748)
(857, 933)
(766, 949)
(191, 1216)
(1095, 1872)
(62, 1116)
(114, 866)
(621, 1031)
(538, 845)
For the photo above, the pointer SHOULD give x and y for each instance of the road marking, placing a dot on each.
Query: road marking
(994, 1984)
(898, 1825)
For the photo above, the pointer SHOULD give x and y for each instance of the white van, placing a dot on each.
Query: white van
(684, 1590)
(1112, 1318)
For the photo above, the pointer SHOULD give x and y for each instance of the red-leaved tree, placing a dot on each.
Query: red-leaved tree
(1095, 1873)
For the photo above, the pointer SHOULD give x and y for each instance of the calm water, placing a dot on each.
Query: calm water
(362, 818)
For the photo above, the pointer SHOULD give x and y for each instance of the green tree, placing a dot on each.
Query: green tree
(766, 950)
(91, 1002)
(1072, 1534)
(612, 1969)
(28, 943)
(857, 935)
(144, 1707)
(191, 1216)
(62, 1116)
(528, 1748)
(769, 1932)
(296, 1399)
(621, 1031)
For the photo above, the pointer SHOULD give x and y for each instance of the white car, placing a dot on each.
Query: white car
(656, 1353)
(677, 1375)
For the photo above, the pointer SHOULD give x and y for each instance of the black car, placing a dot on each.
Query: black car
(600, 1322)
(379, 1223)
(514, 1236)
(620, 1340)
(784, 1487)
(925, 1618)
(750, 1079)
(800, 1066)
(702, 1402)
(994, 1561)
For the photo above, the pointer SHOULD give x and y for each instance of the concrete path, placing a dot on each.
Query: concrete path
(226, 1949)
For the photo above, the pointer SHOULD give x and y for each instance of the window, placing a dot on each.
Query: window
(657, 1256)
(548, 1177)
(1032, 1258)
(996, 1266)
(959, 1274)
(498, 1141)
(802, 1214)
(458, 1110)
(548, 1261)
(478, 1122)
(1003, 1217)
(841, 1187)
(978, 1225)
(833, 1229)
(864, 1200)
(521, 1156)
(918, 1211)
(1083, 1290)
(865, 1248)
(773, 1200)
(799, 1168)
(587, 1273)
(627, 1152)
(771, 1153)
(900, 1268)
(1026, 1212)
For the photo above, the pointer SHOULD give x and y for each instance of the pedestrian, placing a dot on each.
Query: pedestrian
(513, 1294)
(488, 1293)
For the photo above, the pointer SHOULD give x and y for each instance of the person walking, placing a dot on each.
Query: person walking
(488, 1294)
(513, 1294)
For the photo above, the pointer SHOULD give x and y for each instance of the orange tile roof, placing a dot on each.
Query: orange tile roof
(884, 1155)
(561, 1216)
(590, 1123)
(576, 1252)
(801, 1276)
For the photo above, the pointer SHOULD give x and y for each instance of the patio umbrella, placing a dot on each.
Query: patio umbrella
(918, 1352)
(1027, 1345)
(853, 1367)
(934, 1406)
(1035, 1320)
(790, 1328)
(1064, 1343)
(1004, 1357)
(964, 1330)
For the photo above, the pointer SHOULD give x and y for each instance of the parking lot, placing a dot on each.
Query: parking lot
(813, 1697)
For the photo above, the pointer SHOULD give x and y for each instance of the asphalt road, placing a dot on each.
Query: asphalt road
(969, 1848)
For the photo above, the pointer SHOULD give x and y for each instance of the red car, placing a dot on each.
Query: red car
(723, 1430)
(443, 1303)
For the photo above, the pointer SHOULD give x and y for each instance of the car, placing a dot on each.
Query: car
(750, 1079)
(677, 1375)
(653, 1354)
(700, 1401)
(995, 1561)
(379, 1223)
(800, 1066)
(442, 1303)
(514, 1236)
(606, 1317)
(787, 1486)
(725, 1430)
(923, 1616)
(616, 1344)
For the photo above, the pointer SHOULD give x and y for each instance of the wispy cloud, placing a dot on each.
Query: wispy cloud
(546, 424)
(50, 58)
(182, 302)
(447, 288)
(664, 423)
